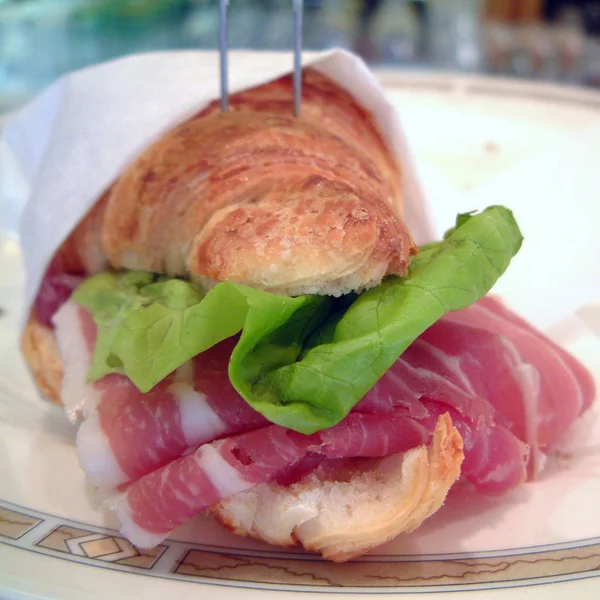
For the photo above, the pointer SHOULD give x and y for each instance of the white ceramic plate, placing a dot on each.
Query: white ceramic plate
(543, 541)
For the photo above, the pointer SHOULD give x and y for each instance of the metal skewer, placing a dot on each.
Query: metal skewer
(298, 10)
(223, 54)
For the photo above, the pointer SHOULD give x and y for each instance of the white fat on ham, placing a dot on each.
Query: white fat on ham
(95, 455)
(200, 423)
(578, 394)
(226, 479)
(138, 536)
(424, 375)
(79, 398)
(529, 378)
(452, 363)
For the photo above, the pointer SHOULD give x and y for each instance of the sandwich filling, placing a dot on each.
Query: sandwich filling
(192, 441)
(302, 362)
(188, 397)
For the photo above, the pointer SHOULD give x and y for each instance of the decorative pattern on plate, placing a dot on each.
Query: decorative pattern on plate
(108, 548)
(53, 536)
(478, 572)
(15, 524)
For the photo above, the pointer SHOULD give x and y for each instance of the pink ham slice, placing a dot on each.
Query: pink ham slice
(507, 387)
(537, 388)
(431, 377)
(145, 431)
(151, 507)
(55, 290)
(125, 433)
(495, 459)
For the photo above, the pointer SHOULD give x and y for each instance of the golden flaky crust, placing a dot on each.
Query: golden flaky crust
(82, 252)
(41, 352)
(257, 196)
(343, 513)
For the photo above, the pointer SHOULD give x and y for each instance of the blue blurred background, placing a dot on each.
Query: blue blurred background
(552, 40)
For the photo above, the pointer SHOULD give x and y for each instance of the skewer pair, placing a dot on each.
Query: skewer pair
(298, 11)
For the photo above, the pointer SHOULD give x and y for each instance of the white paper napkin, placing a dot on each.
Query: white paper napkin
(75, 139)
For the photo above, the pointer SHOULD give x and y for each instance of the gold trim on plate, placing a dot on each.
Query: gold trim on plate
(55, 536)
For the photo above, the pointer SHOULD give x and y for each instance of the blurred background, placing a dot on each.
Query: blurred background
(551, 40)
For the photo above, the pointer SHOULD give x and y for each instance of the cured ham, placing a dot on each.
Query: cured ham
(55, 289)
(536, 387)
(75, 335)
(145, 431)
(125, 433)
(458, 366)
(510, 392)
(495, 459)
(151, 507)
(129, 434)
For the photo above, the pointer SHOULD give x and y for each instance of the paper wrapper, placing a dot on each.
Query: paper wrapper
(74, 140)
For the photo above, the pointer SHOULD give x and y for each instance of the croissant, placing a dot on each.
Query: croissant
(256, 196)
(308, 205)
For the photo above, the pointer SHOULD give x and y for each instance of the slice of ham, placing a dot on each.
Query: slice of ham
(75, 334)
(537, 388)
(125, 433)
(507, 388)
(129, 434)
(495, 459)
(443, 371)
(151, 507)
(55, 289)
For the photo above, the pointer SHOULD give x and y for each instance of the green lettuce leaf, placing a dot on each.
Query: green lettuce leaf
(148, 326)
(302, 362)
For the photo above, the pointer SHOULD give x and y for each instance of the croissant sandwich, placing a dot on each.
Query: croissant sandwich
(242, 324)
